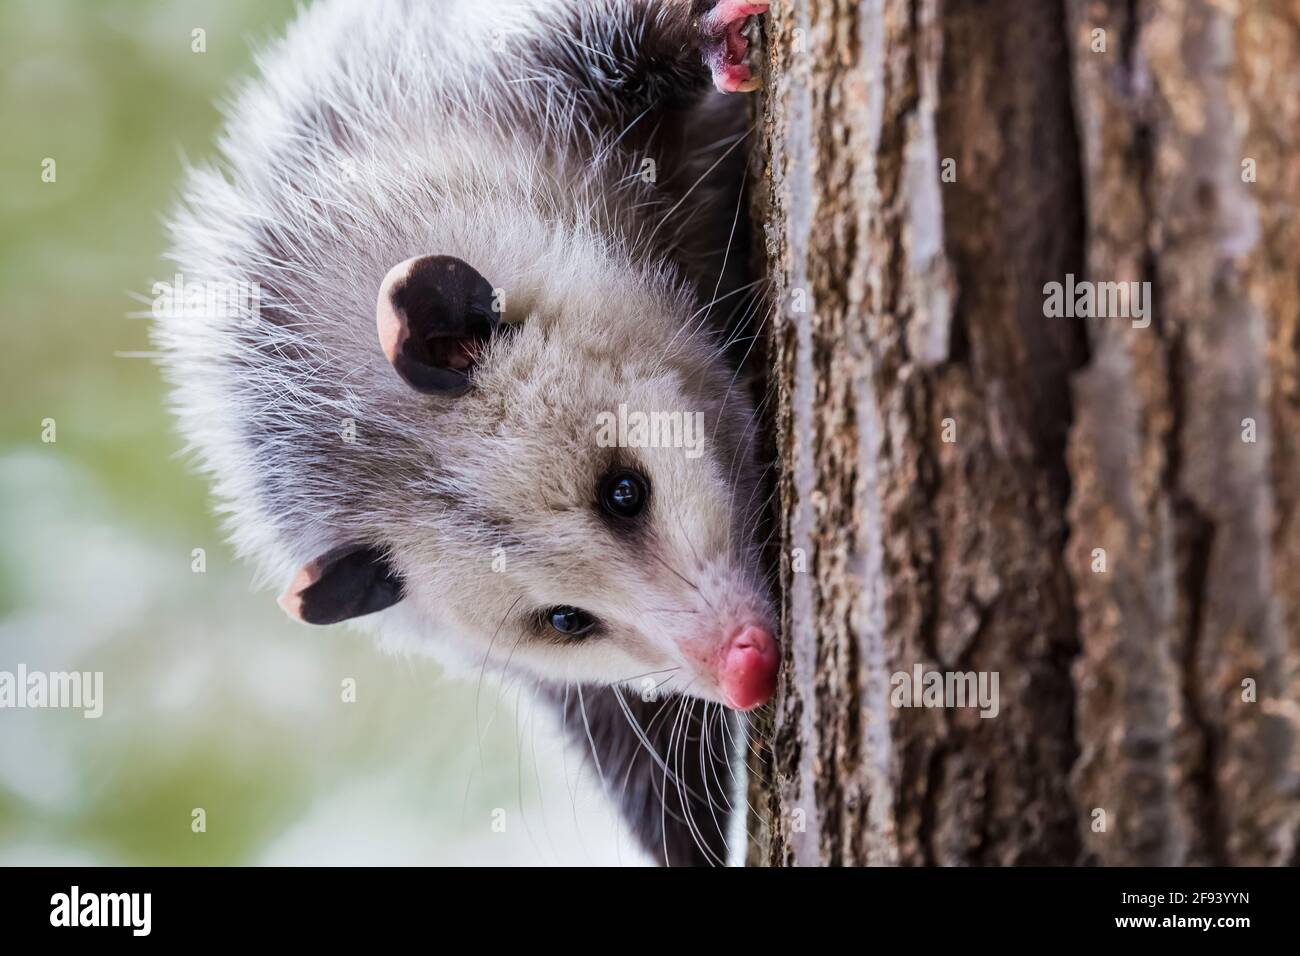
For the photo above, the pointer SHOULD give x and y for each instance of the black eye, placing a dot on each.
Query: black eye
(569, 621)
(624, 494)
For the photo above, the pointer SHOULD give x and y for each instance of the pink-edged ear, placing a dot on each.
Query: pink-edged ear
(346, 582)
(434, 316)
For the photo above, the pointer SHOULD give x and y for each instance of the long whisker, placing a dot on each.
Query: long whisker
(478, 690)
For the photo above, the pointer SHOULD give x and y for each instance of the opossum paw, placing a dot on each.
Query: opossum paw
(726, 49)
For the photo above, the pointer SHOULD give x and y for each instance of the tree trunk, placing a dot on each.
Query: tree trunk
(1100, 511)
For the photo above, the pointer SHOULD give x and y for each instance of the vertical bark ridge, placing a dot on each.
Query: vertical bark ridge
(1188, 608)
(905, 301)
(1102, 512)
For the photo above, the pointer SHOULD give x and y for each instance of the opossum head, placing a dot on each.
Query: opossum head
(592, 513)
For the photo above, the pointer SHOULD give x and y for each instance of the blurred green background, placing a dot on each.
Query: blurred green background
(213, 699)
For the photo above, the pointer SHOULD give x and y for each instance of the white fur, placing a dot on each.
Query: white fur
(439, 135)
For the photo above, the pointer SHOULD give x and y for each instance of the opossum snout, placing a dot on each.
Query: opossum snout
(747, 667)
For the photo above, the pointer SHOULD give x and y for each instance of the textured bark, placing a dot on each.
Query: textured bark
(951, 459)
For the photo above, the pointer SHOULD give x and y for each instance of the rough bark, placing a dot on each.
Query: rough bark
(951, 459)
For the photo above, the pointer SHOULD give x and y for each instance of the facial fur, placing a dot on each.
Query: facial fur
(523, 531)
(482, 504)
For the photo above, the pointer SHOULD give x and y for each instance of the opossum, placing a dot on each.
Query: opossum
(478, 228)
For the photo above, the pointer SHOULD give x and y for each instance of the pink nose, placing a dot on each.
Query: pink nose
(749, 663)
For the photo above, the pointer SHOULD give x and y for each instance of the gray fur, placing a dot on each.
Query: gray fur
(513, 134)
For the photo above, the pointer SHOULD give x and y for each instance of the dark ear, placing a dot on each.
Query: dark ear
(434, 316)
(347, 582)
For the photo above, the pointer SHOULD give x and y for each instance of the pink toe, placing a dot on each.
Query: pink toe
(726, 45)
